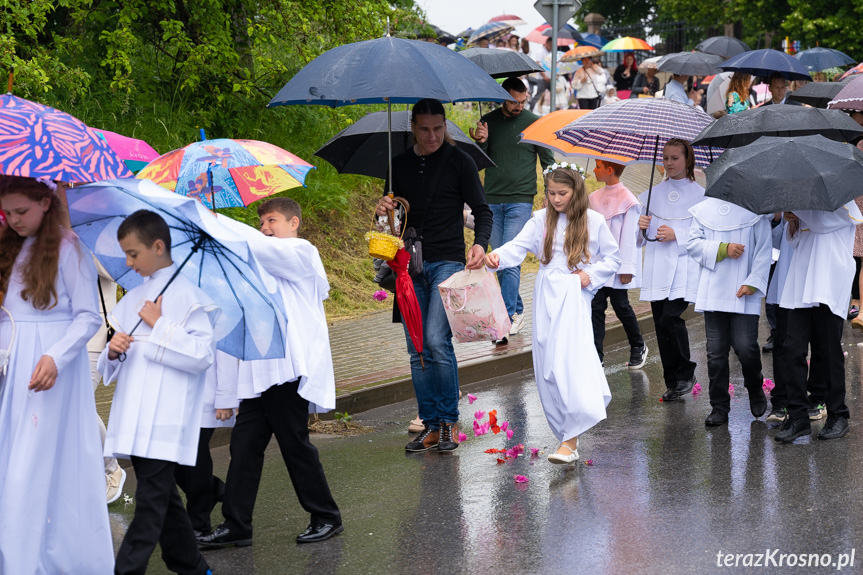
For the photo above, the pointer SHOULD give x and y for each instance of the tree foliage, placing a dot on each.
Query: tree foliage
(827, 23)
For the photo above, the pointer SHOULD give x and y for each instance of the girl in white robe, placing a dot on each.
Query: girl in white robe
(53, 517)
(670, 277)
(569, 376)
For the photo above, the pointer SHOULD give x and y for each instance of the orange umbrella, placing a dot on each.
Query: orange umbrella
(580, 52)
(542, 133)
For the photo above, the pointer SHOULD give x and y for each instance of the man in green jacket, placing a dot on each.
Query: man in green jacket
(511, 186)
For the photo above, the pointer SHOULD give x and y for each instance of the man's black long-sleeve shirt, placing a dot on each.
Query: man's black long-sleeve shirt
(442, 223)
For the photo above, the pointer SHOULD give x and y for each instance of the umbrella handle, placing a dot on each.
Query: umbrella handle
(650, 188)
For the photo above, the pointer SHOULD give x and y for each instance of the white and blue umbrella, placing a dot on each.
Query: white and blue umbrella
(210, 255)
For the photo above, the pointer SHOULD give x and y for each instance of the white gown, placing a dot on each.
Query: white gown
(53, 517)
(220, 390)
(569, 375)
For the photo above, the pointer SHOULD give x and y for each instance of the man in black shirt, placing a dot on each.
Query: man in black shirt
(437, 179)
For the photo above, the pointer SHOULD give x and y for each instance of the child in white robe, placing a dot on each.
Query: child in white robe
(155, 415)
(670, 276)
(621, 210)
(53, 517)
(277, 395)
(734, 248)
(578, 255)
(816, 294)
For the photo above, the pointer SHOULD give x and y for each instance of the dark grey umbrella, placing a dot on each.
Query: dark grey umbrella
(818, 94)
(817, 59)
(786, 174)
(501, 63)
(743, 128)
(724, 46)
(361, 148)
(690, 63)
(566, 33)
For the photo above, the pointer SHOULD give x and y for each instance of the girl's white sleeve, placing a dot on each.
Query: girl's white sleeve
(701, 249)
(513, 252)
(78, 275)
(604, 264)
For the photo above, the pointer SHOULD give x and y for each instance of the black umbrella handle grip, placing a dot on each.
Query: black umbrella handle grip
(644, 233)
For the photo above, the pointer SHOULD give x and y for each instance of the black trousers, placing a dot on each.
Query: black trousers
(202, 488)
(726, 331)
(280, 411)
(815, 383)
(672, 340)
(822, 329)
(589, 103)
(159, 518)
(620, 304)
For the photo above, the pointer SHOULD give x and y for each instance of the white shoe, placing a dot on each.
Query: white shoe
(517, 323)
(563, 459)
(115, 482)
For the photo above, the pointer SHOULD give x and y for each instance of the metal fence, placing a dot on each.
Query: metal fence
(666, 37)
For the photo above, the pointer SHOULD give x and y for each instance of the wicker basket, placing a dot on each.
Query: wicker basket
(383, 245)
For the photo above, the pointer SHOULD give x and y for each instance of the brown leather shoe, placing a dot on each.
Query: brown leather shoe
(448, 437)
(424, 441)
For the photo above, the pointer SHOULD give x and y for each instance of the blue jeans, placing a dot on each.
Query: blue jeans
(508, 221)
(436, 384)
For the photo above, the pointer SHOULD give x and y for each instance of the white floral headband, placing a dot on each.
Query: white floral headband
(565, 166)
(48, 182)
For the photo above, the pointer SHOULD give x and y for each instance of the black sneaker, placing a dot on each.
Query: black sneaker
(817, 412)
(792, 429)
(777, 415)
(424, 441)
(768, 346)
(637, 357)
(503, 341)
(448, 437)
(836, 427)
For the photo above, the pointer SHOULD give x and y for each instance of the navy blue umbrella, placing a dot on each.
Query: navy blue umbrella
(817, 59)
(765, 62)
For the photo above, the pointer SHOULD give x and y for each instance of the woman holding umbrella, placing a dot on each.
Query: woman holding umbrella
(590, 81)
(624, 75)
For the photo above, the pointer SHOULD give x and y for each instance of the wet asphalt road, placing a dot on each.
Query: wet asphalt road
(664, 495)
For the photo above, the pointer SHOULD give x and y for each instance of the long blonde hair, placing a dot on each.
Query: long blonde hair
(576, 238)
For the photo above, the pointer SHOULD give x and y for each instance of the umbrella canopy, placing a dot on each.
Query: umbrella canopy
(135, 153)
(626, 44)
(580, 52)
(817, 59)
(786, 174)
(490, 31)
(690, 63)
(850, 97)
(501, 63)
(543, 133)
(724, 46)
(592, 39)
(389, 70)
(716, 92)
(407, 299)
(536, 36)
(765, 62)
(567, 32)
(361, 148)
(818, 94)
(214, 258)
(858, 69)
(638, 128)
(743, 128)
(38, 141)
(224, 173)
(510, 19)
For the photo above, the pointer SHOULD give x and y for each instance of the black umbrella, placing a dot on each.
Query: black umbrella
(501, 63)
(361, 148)
(786, 174)
(818, 94)
(724, 46)
(743, 128)
(690, 63)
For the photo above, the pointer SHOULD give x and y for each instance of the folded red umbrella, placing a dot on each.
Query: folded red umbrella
(407, 300)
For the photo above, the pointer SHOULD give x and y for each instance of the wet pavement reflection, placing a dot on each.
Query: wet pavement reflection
(664, 493)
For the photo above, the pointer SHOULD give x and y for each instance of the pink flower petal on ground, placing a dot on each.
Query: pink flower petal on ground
(730, 388)
(471, 398)
(486, 427)
(380, 295)
(509, 433)
(504, 425)
(461, 437)
(589, 462)
(768, 385)
(534, 451)
(479, 414)
(696, 389)
(521, 479)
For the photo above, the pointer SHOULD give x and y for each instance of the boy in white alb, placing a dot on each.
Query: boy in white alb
(156, 411)
(734, 248)
(621, 210)
(276, 396)
(816, 294)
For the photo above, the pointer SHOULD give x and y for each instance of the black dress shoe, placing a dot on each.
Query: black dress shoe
(757, 402)
(220, 537)
(836, 427)
(684, 386)
(716, 418)
(792, 429)
(670, 395)
(768, 346)
(319, 532)
(202, 532)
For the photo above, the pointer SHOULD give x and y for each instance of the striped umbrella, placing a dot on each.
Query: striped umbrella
(543, 133)
(226, 173)
(626, 44)
(490, 30)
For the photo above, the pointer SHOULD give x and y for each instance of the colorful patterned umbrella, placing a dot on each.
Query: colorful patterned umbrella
(135, 153)
(536, 36)
(492, 31)
(227, 173)
(858, 69)
(626, 44)
(37, 141)
(580, 52)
